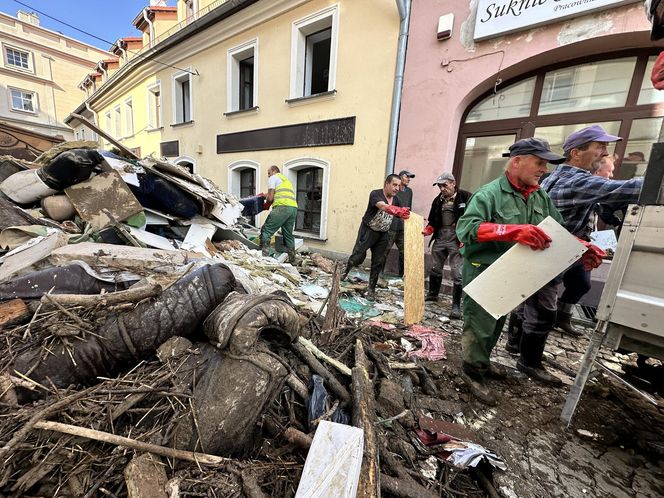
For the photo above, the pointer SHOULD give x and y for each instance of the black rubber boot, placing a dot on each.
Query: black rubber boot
(435, 281)
(349, 267)
(514, 331)
(474, 380)
(455, 314)
(291, 257)
(564, 320)
(265, 247)
(530, 361)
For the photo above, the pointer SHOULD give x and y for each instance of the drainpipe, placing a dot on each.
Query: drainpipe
(103, 71)
(404, 7)
(124, 53)
(150, 26)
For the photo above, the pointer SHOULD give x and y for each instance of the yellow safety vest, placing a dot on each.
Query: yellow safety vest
(284, 194)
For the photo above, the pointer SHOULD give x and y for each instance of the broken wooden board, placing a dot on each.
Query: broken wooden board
(521, 272)
(35, 251)
(126, 257)
(146, 477)
(413, 277)
(11, 311)
(106, 191)
(333, 464)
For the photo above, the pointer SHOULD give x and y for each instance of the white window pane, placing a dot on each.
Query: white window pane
(483, 161)
(647, 94)
(643, 134)
(599, 85)
(511, 102)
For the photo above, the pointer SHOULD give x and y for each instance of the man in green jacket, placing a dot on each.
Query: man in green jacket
(501, 213)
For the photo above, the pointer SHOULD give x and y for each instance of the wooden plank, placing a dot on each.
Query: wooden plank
(11, 311)
(521, 272)
(106, 191)
(413, 278)
(102, 133)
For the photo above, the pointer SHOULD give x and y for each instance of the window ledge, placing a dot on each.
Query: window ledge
(241, 111)
(152, 130)
(310, 236)
(310, 98)
(23, 111)
(184, 123)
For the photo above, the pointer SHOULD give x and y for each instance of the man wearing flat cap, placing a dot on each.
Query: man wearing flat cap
(395, 234)
(500, 214)
(576, 192)
(446, 209)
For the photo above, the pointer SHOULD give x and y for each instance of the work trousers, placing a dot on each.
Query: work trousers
(442, 249)
(481, 331)
(377, 242)
(577, 283)
(396, 237)
(280, 217)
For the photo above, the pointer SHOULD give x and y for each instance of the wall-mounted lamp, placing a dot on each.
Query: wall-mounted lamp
(445, 25)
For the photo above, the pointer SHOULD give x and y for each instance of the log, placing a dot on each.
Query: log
(334, 385)
(319, 354)
(405, 488)
(125, 442)
(332, 314)
(132, 295)
(364, 416)
(298, 438)
(12, 311)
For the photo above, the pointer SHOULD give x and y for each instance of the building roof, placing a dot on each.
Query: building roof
(139, 19)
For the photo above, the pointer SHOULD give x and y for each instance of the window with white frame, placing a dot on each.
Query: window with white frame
(129, 117)
(117, 117)
(242, 77)
(314, 53)
(109, 126)
(310, 177)
(243, 181)
(182, 98)
(23, 100)
(154, 106)
(17, 58)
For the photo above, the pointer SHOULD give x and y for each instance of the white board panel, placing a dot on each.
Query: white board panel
(521, 272)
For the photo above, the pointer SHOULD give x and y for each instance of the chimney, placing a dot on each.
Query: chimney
(29, 17)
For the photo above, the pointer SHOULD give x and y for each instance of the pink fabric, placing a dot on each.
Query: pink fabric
(433, 346)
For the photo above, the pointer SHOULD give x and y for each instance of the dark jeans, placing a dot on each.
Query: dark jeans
(377, 242)
(396, 237)
(577, 283)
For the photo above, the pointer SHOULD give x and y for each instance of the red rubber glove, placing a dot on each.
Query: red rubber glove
(528, 235)
(593, 257)
(266, 205)
(428, 230)
(401, 212)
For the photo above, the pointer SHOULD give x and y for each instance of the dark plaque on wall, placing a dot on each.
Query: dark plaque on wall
(170, 149)
(315, 134)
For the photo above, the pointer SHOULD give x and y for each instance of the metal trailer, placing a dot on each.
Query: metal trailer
(630, 314)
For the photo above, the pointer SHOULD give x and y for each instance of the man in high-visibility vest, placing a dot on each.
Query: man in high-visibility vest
(281, 197)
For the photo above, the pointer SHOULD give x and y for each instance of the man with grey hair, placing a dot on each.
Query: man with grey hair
(446, 209)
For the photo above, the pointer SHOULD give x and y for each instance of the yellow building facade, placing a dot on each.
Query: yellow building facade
(302, 84)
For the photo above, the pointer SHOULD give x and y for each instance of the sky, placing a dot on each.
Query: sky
(108, 20)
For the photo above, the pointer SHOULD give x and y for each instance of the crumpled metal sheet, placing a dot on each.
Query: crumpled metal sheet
(237, 323)
(129, 337)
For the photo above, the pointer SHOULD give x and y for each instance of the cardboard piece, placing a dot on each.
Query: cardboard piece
(150, 239)
(106, 191)
(413, 278)
(521, 272)
(333, 464)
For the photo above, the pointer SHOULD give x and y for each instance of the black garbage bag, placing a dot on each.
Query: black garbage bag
(319, 404)
(129, 337)
(156, 193)
(69, 168)
(229, 395)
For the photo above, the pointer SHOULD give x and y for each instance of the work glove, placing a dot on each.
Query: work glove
(528, 235)
(428, 230)
(266, 205)
(401, 212)
(593, 257)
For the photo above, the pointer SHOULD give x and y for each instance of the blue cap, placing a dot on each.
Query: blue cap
(594, 133)
(535, 147)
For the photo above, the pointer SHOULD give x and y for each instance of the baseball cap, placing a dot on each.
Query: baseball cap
(594, 133)
(445, 177)
(536, 147)
(406, 173)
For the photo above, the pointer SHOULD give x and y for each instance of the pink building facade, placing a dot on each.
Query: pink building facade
(516, 69)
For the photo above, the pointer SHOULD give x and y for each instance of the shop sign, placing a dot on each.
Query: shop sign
(499, 17)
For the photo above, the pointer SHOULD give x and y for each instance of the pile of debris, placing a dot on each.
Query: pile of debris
(151, 350)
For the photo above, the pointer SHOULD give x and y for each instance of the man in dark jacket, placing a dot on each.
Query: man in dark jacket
(446, 209)
(395, 234)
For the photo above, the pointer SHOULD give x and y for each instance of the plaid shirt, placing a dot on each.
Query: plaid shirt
(576, 193)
